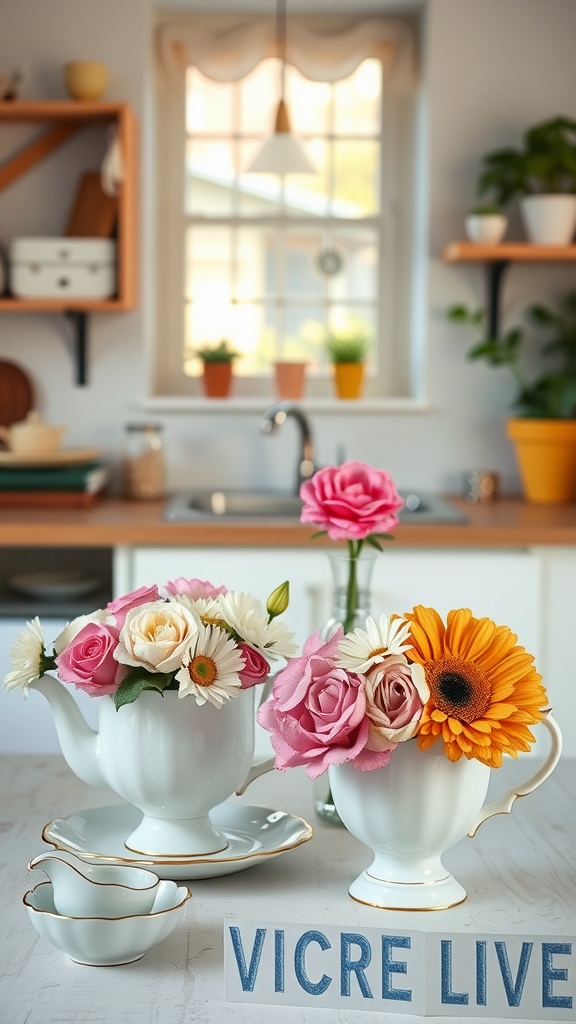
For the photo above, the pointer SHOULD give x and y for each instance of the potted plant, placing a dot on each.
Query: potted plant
(542, 173)
(217, 368)
(544, 430)
(347, 353)
(290, 377)
(486, 224)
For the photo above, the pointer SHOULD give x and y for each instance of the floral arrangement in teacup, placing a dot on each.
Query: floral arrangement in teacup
(465, 682)
(187, 635)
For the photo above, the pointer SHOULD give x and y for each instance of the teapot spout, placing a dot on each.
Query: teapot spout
(78, 742)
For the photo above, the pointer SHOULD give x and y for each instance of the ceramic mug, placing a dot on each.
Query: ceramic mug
(414, 809)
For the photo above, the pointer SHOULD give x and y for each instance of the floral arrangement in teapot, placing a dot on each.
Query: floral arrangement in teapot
(186, 635)
(355, 696)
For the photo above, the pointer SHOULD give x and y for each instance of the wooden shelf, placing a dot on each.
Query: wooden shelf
(60, 121)
(509, 252)
(496, 259)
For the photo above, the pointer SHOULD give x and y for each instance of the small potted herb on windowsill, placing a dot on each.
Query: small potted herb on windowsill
(348, 352)
(217, 364)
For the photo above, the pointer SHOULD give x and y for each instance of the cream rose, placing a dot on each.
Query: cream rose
(395, 696)
(156, 635)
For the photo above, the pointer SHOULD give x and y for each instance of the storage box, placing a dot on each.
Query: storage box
(53, 268)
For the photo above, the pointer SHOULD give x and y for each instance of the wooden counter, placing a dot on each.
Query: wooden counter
(112, 522)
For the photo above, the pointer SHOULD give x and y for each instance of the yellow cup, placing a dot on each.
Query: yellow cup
(86, 79)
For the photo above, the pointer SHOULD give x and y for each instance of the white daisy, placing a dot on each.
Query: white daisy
(206, 607)
(210, 667)
(360, 650)
(26, 654)
(245, 614)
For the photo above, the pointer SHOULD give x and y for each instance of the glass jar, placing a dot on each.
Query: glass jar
(144, 469)
(342, 573)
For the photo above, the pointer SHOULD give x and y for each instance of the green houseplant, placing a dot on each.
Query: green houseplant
(542, 174)
(544, 429)
(347, 353)
(217, 363)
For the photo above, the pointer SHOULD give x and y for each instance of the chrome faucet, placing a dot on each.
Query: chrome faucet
(275, 417)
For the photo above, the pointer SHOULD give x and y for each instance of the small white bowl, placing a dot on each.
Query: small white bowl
(83, 889)
(106, 941)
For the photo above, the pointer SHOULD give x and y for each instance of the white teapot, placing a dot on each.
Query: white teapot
(32, 436)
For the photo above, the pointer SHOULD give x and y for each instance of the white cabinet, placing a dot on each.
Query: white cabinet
(503, 585)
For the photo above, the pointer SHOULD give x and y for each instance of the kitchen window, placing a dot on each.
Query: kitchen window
(274, 263)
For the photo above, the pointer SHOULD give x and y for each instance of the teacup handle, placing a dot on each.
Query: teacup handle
(266, 764)
(505, 803)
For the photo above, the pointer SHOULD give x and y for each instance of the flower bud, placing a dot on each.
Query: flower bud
(278, 600)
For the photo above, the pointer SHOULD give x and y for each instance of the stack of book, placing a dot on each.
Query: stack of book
(77, 485)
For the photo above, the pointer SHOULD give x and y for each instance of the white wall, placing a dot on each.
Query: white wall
(491, 68)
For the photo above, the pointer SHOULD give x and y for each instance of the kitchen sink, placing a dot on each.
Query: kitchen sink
(420, 507)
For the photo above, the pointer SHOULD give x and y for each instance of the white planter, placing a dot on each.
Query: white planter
(485, 228)
(549, 219)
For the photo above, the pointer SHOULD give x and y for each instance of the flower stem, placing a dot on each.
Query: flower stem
(352, 588)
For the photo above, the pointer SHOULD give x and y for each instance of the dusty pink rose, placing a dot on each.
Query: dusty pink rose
(395, 696)
(88, 661)
(350, 501)
(194, 589)
(316, 713)
(122, 605)
(256, 667)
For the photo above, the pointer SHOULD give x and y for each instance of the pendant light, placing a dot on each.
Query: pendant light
(282, 153)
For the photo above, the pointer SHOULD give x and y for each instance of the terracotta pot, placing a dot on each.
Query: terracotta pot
(546, 456)
(289, 379)
(217, 380)
(349, 379)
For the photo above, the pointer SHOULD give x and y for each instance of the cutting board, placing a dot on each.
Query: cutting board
(16, 393)
(93, 214)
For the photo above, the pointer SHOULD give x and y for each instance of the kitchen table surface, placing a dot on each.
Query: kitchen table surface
(505, 523)
(519, 872)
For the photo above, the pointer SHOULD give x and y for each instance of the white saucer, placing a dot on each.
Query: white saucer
(254, 834)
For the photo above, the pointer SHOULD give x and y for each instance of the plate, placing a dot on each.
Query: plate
(53, 586)
(65, 457)
(254, 834)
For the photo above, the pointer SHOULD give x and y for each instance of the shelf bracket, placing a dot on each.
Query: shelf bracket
(79, 321)
(495, 273)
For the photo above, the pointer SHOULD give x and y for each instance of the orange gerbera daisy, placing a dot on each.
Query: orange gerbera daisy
(484, 688)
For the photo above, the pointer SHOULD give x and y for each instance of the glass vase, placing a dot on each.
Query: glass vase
(351, 598)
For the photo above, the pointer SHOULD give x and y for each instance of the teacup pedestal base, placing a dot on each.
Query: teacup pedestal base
(176, 837)
(439, 894)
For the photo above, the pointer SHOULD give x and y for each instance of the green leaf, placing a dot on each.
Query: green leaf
(373, 542)
(137, 681)
(319, 533)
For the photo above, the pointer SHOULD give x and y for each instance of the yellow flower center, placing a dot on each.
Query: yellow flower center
(458, 688)
(377, 651)
(202, 670)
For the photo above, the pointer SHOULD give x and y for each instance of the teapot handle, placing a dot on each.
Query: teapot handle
(266, 764)
(505, 803)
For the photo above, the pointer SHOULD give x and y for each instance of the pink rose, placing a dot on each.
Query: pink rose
(256, 667)
(88, 661)
(122, 605)
(395, 696)
(350, 501)
(316, 713)
(194, 589)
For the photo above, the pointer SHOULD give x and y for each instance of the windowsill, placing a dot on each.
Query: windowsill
(365, 406)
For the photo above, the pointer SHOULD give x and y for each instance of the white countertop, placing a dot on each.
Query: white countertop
(519, 872)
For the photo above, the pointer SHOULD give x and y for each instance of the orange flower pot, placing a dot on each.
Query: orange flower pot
(349, 379)
(546, 456)
(289, 379)
(217, 380)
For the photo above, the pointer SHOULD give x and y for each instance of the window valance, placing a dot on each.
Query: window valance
(227, 47)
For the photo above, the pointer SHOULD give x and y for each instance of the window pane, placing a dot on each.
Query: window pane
(357, 101)
(356, 178)
(208, 178)
(208, 104)
(259, 92)
(358, 277)
(208, 264)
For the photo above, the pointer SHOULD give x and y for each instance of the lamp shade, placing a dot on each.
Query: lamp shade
(282, 153)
